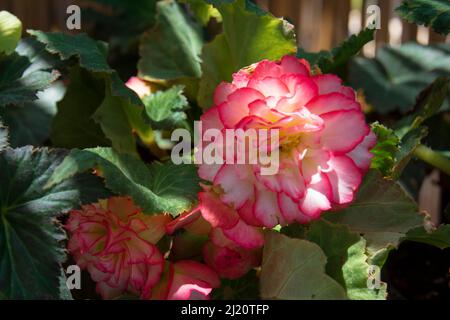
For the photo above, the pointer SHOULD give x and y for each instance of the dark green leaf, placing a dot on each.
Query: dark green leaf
(346, 258)
(30, 124)
(431, 13)
(244, 288)
(85, 49)
(171, 50)
(332, 61)
(382, 212)
(439, 237)
(408, 145)
(31, 251)
(19, 83)
(73, 126)
(410, 128)
(427, 104)
(157, 188)
(120, 22)
(112, 116)
(392, 81)
(105, 98)
(294, 269)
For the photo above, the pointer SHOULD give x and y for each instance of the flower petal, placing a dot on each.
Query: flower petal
(343, 130)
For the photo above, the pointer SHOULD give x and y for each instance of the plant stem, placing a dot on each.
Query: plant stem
(434, 158)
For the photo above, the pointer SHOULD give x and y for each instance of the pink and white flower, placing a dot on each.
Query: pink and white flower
(233, 248)
(185, 280)
(228, 259)
(115, 242)
(139, 86)
(324, 146)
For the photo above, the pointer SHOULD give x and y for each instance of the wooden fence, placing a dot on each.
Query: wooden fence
(320, 24)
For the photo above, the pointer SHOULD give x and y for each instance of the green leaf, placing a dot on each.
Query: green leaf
(120, 22)
(431, 13)
(244, 288)
(408, 145)
(166, 109)
(439, 237)
(332, 61)
(112, 116)
(427, 104)
(334, 240)
(85, 49)
(29, 121)
(171, 50)
(393, 79)
(300, 271)
(382, 212)
(347, 262)
(91, 56)
(19, 83)
(38, 56)
(10, 32)
(120, 114)
(313, 57)
(248, 37)
(114, 107)
(410, 129)
(356, 271)
(31, 251)
(385, 150)
(30, 124)
(156, 188)
(73, 126)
